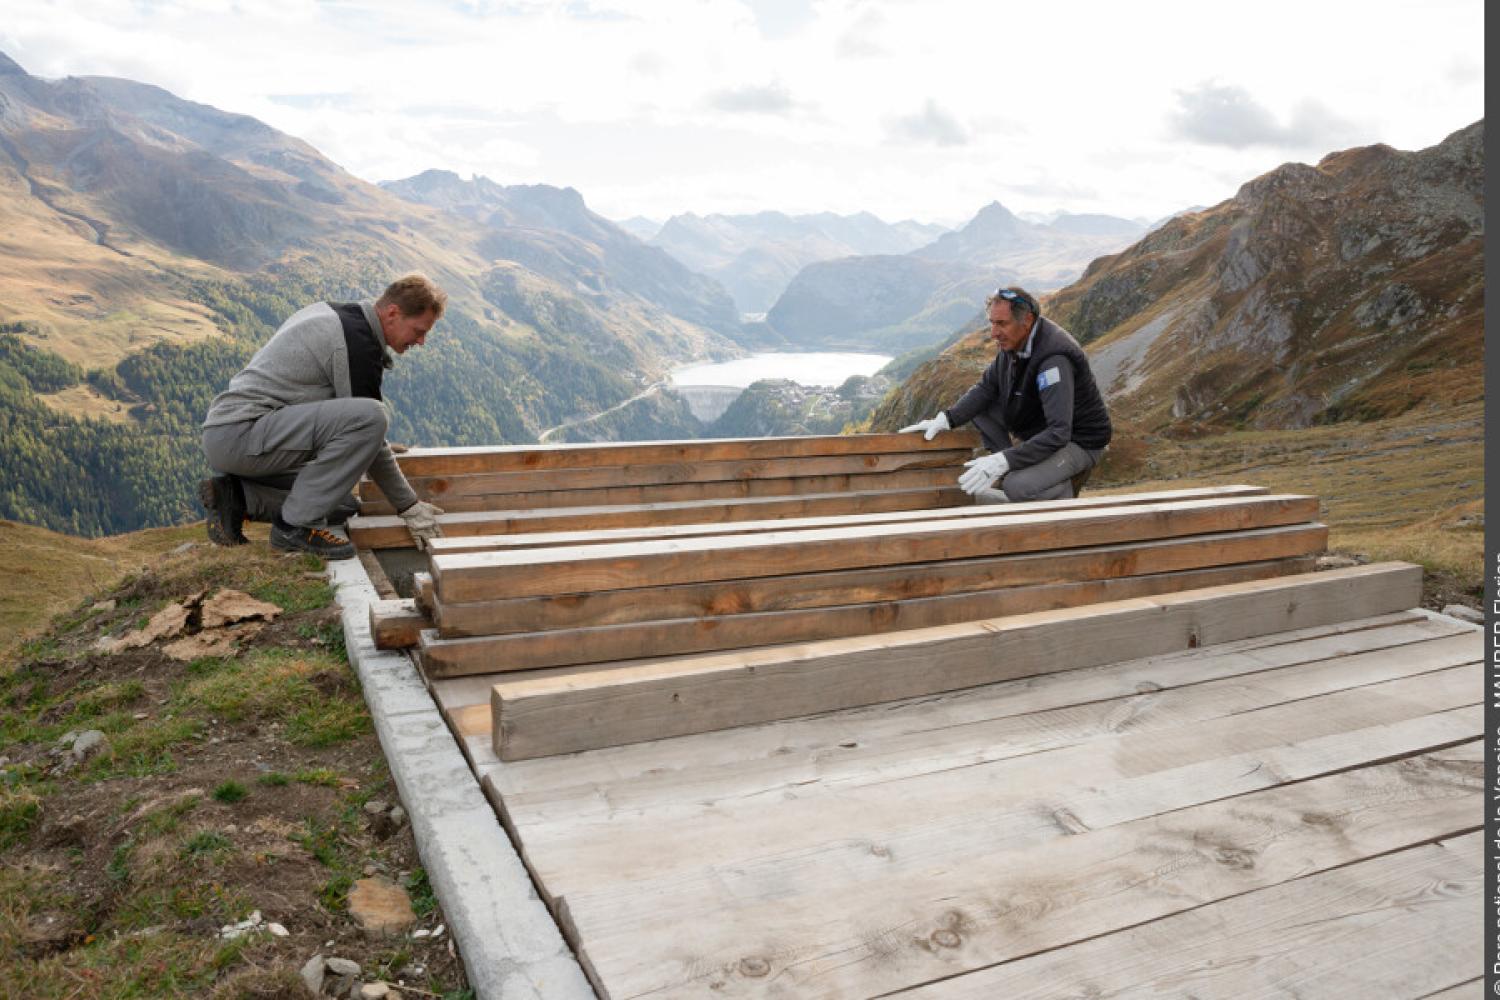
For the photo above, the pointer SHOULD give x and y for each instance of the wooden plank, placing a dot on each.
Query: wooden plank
(728, 489)
(1404, 925)
(802, 748)
(599, 536)
(465, 461)
(479, 576)
(633, 640)
(1013, 720)
(389, 531)
(603, 477)
(869, 937)
(715, 853)
(879, 584)
(395, 624)
(601, 708)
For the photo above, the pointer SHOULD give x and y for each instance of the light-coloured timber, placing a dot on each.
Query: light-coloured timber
(721, 490)
(831, 754)
(878, 584)
(468, 461)
(477, 576)
(723, 850)
(691, 695)
(395, 624)
(874, 937)
(603, 477)
(752, 760)
(600, 536)
(1398, 926)
(682, 636)
(389, 531)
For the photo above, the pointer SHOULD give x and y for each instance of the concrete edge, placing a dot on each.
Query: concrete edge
(511, 947)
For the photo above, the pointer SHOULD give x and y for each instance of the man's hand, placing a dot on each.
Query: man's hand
(421, 521)
(982, 472)
(930, 428)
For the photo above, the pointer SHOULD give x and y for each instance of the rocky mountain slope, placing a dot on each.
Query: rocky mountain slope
(756, 256)
(148, 244)
(913, 301)
(1349, 290)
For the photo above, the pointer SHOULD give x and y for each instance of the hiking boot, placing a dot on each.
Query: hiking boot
(294, 538)
(224, 506)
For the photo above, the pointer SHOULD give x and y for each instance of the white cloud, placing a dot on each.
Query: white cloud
(1088, 113)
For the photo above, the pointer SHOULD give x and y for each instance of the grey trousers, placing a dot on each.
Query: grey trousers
(300, 461)
(1049, 479)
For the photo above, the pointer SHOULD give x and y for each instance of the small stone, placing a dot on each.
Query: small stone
(342, 967)
(376, 807)
(1336, 562)
(88, 743)
(438, 931)
(103, 607)
(398, 817)
(374, 991)
(420, 933)
(379, 906)
(277, 930)
(312, 975)
(1464, 613)
(140, 716)
(66, 739)
(184, 547)
(370, 870)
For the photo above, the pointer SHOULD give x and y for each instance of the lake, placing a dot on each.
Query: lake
(813, 368)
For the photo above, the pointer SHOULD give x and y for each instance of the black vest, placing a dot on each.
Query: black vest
(367, 357)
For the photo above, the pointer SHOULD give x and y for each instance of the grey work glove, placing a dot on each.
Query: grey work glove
(930, 428)
(981, 473)
(421, 521)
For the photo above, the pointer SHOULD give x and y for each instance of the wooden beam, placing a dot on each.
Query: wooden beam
(609, 476)
(873, 585)
(423, 596)
(907, 480)
(599, 536)
(389, 531)
(569, 647)
(692, 695)
(467, 461)
(395, 624)
(494, 575)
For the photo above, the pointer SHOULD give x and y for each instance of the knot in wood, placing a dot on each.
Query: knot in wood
(946, 939)
(754, 967)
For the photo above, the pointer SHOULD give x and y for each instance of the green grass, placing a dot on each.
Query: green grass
(206, 844)
(274, 780)
(20, 808)
(230, 792)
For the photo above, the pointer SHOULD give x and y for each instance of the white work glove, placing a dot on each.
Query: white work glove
(982, 472)
(929, 428)
(421, 521)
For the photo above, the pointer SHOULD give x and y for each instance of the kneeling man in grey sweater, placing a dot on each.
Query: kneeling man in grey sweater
(304, 420)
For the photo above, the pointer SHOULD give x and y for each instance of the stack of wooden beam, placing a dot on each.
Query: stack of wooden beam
(585, 604)
(561, 487)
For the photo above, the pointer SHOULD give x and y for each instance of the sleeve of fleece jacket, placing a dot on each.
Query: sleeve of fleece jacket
(383, 469)
(980, 397)
(1057, 407)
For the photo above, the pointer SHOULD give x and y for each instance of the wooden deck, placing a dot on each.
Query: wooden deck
(1295, 814)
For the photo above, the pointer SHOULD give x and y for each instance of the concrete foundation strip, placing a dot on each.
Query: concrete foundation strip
(511, 947)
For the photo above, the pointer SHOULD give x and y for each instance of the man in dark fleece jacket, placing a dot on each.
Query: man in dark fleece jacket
(298, 427)
(1037, 408)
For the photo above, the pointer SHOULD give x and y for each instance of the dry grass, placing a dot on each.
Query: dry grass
(1409, 488)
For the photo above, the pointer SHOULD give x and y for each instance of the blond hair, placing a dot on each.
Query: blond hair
(414, 294)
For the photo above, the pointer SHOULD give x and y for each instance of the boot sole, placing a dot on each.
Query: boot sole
(218, 533)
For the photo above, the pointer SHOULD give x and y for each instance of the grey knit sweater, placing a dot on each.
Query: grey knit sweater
(306, 361)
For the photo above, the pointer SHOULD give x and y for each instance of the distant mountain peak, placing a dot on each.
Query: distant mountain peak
(9, 67)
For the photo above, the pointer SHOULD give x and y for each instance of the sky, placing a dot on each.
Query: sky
(910, 109)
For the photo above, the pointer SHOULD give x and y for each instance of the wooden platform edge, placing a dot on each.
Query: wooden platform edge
(594, 709)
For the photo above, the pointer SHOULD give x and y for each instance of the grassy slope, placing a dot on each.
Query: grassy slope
(228, 785)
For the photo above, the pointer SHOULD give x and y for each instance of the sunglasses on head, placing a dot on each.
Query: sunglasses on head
(1010, 296)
